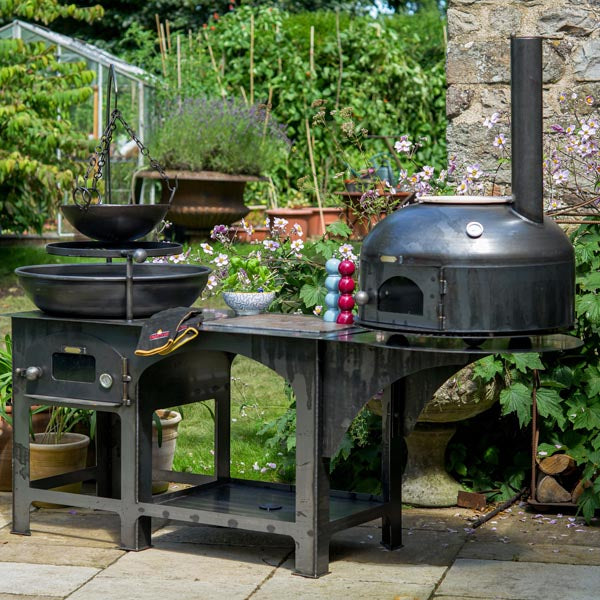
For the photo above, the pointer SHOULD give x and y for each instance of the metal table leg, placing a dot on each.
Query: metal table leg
(391, 463)
(312, 473)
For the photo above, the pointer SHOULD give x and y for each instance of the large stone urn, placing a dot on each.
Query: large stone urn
(425, 481)
(204, 198)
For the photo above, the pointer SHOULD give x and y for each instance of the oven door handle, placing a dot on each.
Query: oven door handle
(76, 402)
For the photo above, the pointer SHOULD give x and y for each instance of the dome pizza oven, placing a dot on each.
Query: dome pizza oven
(477, 266)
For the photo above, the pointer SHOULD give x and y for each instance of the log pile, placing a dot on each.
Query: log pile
(558, 480)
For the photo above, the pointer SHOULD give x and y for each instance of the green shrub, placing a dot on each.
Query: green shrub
(390, 70)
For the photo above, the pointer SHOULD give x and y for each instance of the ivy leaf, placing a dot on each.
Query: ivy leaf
(549, 405)
(562, 377)
(312, 295)
(588, 417)
(344, 448)
(529, 360)
(588, 503)
(588, 305)
(339, 229)
(487, 368)
(547, 449)
(517, 398)
(591, 281)
(592, 381)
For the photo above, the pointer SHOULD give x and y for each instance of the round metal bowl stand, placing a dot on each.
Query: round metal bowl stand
(131, 251)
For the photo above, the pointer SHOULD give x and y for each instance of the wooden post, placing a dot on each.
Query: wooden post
(314, 174)
(311, 53)
(340, 59)
(251, 58)
(214, 65)
(168, 28)
(161, 44)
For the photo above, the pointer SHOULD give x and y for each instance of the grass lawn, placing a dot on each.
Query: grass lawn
(257, 392)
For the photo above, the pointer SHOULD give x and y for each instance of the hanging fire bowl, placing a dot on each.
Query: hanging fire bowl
(98, 290)
(115, 222)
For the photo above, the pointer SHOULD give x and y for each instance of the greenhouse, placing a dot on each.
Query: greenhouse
(134, 84)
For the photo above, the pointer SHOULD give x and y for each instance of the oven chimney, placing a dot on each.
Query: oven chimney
(526, 127)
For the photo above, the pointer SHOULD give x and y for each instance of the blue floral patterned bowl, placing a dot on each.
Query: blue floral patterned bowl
(248, 303)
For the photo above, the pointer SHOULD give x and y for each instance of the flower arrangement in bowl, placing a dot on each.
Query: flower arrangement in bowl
(283, 270)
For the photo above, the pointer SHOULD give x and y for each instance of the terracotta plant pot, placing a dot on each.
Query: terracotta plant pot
(330, 215)
(292, 216)
(162, 456)
(48, 458)
(40, 421)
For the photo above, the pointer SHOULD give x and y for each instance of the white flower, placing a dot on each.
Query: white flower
(347, 251)
(462, 187)
(206, 248)
(570, 130)
(297, 229)
(279, 223)
(267, 222)
(561, 176)
(222, 260)
(264, 470)
(474, 172)
(297, 245)
(589, 128)
(271, 245)
(442, 176)
(402, 175)
(491, 121)
(499, 141)
(574, 96)
(317, 310)
(247, 227)
(212, 282)
(271, 465)
(256, 466)
(427, 172)
(403, 145)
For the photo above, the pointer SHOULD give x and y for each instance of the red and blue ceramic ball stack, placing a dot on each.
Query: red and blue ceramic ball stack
(346, 286)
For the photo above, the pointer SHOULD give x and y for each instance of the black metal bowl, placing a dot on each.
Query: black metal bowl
(115, 222)
(98, 289)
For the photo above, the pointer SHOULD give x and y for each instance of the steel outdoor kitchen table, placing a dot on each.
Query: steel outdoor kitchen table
(334, 370)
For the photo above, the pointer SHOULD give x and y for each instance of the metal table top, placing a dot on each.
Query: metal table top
(310, 327)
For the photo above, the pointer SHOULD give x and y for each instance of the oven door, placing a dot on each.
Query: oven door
(73, 366)
(408, 297)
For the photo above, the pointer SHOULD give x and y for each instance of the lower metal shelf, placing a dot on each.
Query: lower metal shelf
(274, 502)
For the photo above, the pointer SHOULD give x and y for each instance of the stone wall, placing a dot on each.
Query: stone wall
(478, 62)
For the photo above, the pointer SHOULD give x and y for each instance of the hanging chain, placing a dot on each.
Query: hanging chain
(83, 195)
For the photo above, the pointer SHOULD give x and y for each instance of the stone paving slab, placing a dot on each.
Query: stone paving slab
(42, 580)
(544, 553)
(350, 580)
(28, 597)
(106, 588)
(34, 551)
(520, 581)
(172, 570)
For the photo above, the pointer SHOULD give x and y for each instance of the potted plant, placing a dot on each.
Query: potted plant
(39, 416)
(213, 147)
(165, 426)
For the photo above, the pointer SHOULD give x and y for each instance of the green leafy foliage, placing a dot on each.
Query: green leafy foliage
(568, 396)
(355, 465)
(390, 70)
(38, 141)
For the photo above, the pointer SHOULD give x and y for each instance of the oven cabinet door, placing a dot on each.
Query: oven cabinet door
(407, 297)
(72, 365)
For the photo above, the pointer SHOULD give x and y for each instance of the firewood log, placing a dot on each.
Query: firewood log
(557, 463)
(550, 491)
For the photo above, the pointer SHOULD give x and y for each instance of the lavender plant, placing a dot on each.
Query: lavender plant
(212, 134)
